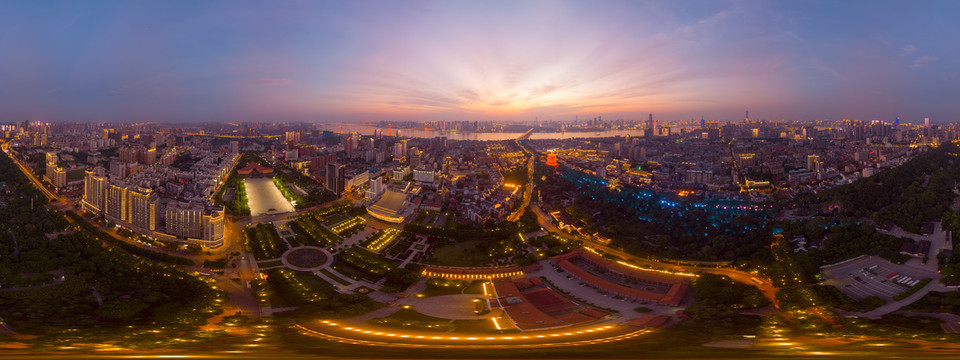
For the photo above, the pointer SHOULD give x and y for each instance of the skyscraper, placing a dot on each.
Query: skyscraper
(650, 128)
(335, 178)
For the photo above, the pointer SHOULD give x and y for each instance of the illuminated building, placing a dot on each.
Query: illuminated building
(116, 203)
(195, 223)
(389, 206)
(552, 159)
(94, 185)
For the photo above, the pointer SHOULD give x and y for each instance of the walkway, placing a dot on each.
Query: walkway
(58, 277)
(892, 306)
(951, 322)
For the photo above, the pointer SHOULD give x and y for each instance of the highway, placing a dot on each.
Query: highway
(528, 189)
(26, 171)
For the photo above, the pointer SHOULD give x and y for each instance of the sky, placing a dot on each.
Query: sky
(364, 60)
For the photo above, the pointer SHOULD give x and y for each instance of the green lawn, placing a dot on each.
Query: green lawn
(335, 219)
(352, 272)
(440, 291)
(333, 277)
(463, 253)
(475, 287)
(410, 319)
(271, 263)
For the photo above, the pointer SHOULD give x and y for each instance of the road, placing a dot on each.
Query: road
(528, 189)
(768, 289)
(742, 276)
(383, 337)
(240, 296)
(26, 171)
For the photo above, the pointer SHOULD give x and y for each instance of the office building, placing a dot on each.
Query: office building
(335, 178)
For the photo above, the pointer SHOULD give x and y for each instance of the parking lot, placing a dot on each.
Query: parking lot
(872, 276)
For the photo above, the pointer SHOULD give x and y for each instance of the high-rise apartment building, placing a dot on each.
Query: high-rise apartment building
(184, 219)
(142, 212)
(196, 222)
(94, 187)
(116, 203)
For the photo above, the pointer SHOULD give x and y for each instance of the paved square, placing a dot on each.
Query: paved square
(263, 197)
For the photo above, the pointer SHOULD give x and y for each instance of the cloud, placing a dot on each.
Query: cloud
(268, 82)
(923, 61)
(907, 50)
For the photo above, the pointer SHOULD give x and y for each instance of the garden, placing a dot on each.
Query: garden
(264, 242)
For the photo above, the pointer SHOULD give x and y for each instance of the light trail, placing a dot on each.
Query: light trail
(484, 343)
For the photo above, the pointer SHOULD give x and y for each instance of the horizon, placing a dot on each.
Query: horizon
(335, 62)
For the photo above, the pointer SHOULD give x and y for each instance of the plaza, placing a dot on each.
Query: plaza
(264, 198)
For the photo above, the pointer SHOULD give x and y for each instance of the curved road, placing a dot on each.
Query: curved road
(768, 289)
(401, 338)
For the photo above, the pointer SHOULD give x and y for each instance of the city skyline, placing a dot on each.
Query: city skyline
(557, 179)
(347, 62)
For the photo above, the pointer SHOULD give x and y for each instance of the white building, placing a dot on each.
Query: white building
(376, 187)
(424, 175)
(358, 180)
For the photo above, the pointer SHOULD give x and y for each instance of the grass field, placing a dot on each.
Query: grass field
(333, 277)
(335, 219)
(411, 319)
(465, 253)
(270, 263)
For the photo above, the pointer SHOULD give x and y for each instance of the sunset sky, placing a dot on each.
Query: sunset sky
(192, 61)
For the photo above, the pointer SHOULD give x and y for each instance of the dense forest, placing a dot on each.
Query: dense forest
(908, 195)
(641, 221)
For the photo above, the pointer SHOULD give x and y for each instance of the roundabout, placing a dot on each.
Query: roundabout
(306, 258)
